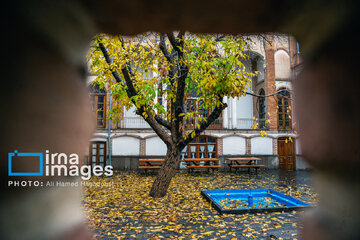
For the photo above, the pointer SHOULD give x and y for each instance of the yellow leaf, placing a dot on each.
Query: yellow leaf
(277, 225)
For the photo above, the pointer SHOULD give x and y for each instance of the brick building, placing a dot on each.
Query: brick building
(277, 59)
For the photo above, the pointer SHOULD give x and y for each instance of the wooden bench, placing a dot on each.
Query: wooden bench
(245, 162)
(150, 164)
(200, 163)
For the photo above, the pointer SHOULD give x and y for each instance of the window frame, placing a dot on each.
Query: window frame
(95, 93)
(190, 123)
(283, 110)
(197, 144)
(97, 153)
(262, 109)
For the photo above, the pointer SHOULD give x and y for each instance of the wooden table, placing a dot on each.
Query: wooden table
(150, 163)
(199, 163)
(244, 162)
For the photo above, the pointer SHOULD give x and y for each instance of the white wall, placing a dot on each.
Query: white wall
(90, 79)
(234, 145)
(283, 84)
(131, 112)
(98, 139)
(155, 146)
(125, 146)
(261, 70)
(244, 104)
(282, 65)
(261, 146)
(244, 107)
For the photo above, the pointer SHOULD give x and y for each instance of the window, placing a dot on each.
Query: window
(284, 110)
(97, 155)
(262, 110)
(193, 105)
(200, 147)
(97, 98)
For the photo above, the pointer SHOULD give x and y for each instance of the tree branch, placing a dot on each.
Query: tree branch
(109, 62)
(131, 92)
(155, 125)
(203, 125)
(174, 43)
(163, 122)
(178, 106)
(164, 49)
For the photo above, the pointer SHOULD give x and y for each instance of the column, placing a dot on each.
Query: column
(156, 97)
(225, 121)
(233, 117)
(271, 103)
(163, 99)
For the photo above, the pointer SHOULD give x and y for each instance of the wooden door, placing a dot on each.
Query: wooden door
(286, 151)
(97, 155)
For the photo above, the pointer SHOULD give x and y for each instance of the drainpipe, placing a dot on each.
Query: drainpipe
(109, 130)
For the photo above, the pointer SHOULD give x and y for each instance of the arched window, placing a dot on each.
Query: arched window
(284, 109)
(97, 99)
(262, 110)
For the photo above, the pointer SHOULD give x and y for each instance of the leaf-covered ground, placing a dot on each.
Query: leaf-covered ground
(120, 208)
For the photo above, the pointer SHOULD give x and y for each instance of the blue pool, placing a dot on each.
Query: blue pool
(252, 200)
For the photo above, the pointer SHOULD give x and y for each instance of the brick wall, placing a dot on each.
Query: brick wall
(271, 104)
(248, 146)
(220, 146)
(142, 147)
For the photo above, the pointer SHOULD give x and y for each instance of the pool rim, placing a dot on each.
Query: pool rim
(253, 210)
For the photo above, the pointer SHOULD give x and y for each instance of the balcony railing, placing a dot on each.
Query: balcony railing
(133, 122)
(249, 123)
(217, 124)
(241, 123)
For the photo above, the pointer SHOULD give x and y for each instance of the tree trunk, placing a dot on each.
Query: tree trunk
(166, 173)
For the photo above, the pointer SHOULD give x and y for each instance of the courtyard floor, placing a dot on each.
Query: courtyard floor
(120, 208)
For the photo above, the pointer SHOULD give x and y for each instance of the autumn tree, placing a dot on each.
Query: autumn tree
(176, 66)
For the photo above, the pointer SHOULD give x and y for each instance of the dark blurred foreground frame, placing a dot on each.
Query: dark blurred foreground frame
(44, 101)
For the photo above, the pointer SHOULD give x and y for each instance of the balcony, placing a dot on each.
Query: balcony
(241, 123)
(217, 124)
(133, 122)
(248, 123)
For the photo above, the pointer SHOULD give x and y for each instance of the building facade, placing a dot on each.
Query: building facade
(261, 124)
